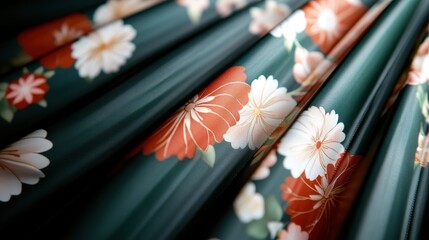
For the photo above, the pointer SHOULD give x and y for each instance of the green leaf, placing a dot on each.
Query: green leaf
(3, 87)
(43, 103)
(6, 111)
(39, 70)
(21, 59)
(49, 74)
(209, 156)
(273, 210)
(257, 229)
(25, 70)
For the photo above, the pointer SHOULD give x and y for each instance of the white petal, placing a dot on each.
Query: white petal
(31, 145)
(36, 160)
(277, 32)
(9, 185)
(41, 133)
(274, 227)
(238, 134)
(314, 168)
(298, 21)
(258, 135)
(297, 166)
(103, 14)
(315, 197)
(26, 173)
(261, 173)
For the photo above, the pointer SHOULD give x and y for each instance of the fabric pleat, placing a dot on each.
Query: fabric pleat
(214, 119)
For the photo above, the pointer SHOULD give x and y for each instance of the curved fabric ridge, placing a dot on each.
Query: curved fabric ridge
(110, 54)
(192, 168)
(295, 202)
(39, 40)
(402, 161)
(133, 106)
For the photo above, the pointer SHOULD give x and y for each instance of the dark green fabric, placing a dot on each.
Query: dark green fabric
(349, 92)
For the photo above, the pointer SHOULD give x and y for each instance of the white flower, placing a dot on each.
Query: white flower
(106, 49)
(117, 9)
(313, 142)
(266, 109)
(66, 34)
(21, 162)
(289, 28)
(326, 192)
(293, 232)
(264, 20)
(249, 205)
(263, 170)
(305, 64)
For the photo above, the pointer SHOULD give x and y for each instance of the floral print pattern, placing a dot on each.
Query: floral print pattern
(305, 63)
(195, 8)
(263, 170)
(290, 27)
(329, 20)
(28, 89)
(203, 120)
(264, 20)
(226, 7)
(268, 105)
(249, 205)
(106, 49)
(419, 71)
(312, 143)
(66, 34)
(53, 34)
(21, 162)
(310, 202)
(293, 232)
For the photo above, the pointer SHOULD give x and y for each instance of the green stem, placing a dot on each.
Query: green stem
(297, 43)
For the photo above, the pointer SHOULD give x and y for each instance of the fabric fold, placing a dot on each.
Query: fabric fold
(243, 106)
(80, 71)
(400, 161)
(311, 181)
(133, 107)
(33, 43)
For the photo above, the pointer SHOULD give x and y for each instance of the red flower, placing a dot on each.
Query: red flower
(203, 120)
(28, 89)
(42, 39)
(329, 20)
(319, 206)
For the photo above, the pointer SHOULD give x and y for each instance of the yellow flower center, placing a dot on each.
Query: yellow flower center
(257, 112)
